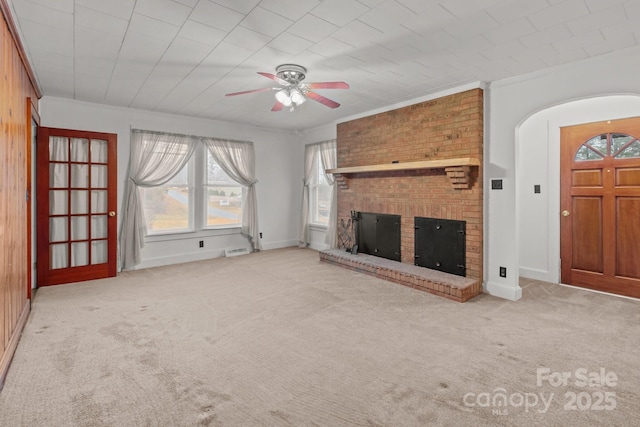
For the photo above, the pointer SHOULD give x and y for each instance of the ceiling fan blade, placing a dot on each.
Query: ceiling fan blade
(327, 85)
(322, 100)
(252, 91)
(274, 78)
(278, 106)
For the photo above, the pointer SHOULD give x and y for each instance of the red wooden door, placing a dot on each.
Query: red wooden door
(600, 202)
(76, 206)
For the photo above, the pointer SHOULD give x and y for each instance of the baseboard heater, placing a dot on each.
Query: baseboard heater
(236, 251)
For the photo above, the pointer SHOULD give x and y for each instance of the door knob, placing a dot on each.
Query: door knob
(565, 213)
(112, 213)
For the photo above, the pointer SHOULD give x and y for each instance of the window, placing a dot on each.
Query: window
(176, 207)
(223, 197)
(617, 145)
(319, 200)
(319, 195)
(168, 207)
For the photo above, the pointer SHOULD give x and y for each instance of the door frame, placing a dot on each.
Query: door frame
(33, 118)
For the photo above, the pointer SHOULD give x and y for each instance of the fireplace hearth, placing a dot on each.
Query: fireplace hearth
(440, 254)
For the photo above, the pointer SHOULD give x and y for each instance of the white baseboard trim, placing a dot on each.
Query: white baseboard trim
(178, 259)
(509, 292)
(202, 255)
(318, 246)
(279, 245)
(535, 274)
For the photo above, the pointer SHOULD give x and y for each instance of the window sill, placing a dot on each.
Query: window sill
(183, 235)
(318, 227)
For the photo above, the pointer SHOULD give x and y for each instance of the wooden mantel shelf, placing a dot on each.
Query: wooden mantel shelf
(426, 164)
(457, 169)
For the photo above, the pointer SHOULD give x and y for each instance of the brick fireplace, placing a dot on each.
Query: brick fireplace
(441, 142)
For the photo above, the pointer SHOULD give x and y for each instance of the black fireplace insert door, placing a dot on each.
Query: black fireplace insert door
(440, 244)
(379, 235)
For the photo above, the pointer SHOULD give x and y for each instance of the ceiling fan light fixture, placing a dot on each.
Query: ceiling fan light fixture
(296, 96)
(292, 92)
(283, 97)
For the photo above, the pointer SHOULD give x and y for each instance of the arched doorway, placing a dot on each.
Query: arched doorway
(538, 168)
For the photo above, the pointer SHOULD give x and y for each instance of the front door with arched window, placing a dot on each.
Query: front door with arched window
(600, 206)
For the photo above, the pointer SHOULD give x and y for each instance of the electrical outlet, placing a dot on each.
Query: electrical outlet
(201, 243)
(536, 189)
(261, 235)
(503, 271)
(496, 184)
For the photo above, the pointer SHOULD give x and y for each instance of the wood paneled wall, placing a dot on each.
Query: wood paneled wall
(15, 90)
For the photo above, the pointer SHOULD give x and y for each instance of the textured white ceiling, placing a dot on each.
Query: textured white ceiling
(183, 56)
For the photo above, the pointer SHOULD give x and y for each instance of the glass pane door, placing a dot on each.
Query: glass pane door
(80, 207)
(77, 201)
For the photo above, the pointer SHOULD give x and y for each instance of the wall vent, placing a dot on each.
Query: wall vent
(236, 251)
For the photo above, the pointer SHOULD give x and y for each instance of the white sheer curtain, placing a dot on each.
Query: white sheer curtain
(329, 157)
(237, 159)
(155, 158)
(59, 179)
(73, 199)
(310, 152)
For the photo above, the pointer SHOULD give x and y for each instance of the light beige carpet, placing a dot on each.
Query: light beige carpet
(279, 339)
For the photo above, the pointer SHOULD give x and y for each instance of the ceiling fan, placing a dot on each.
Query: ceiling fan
(292, 91)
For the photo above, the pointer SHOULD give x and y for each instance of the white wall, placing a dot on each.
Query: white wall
(278, 170)
(510, 103)
(535, 165)
(538, 162)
